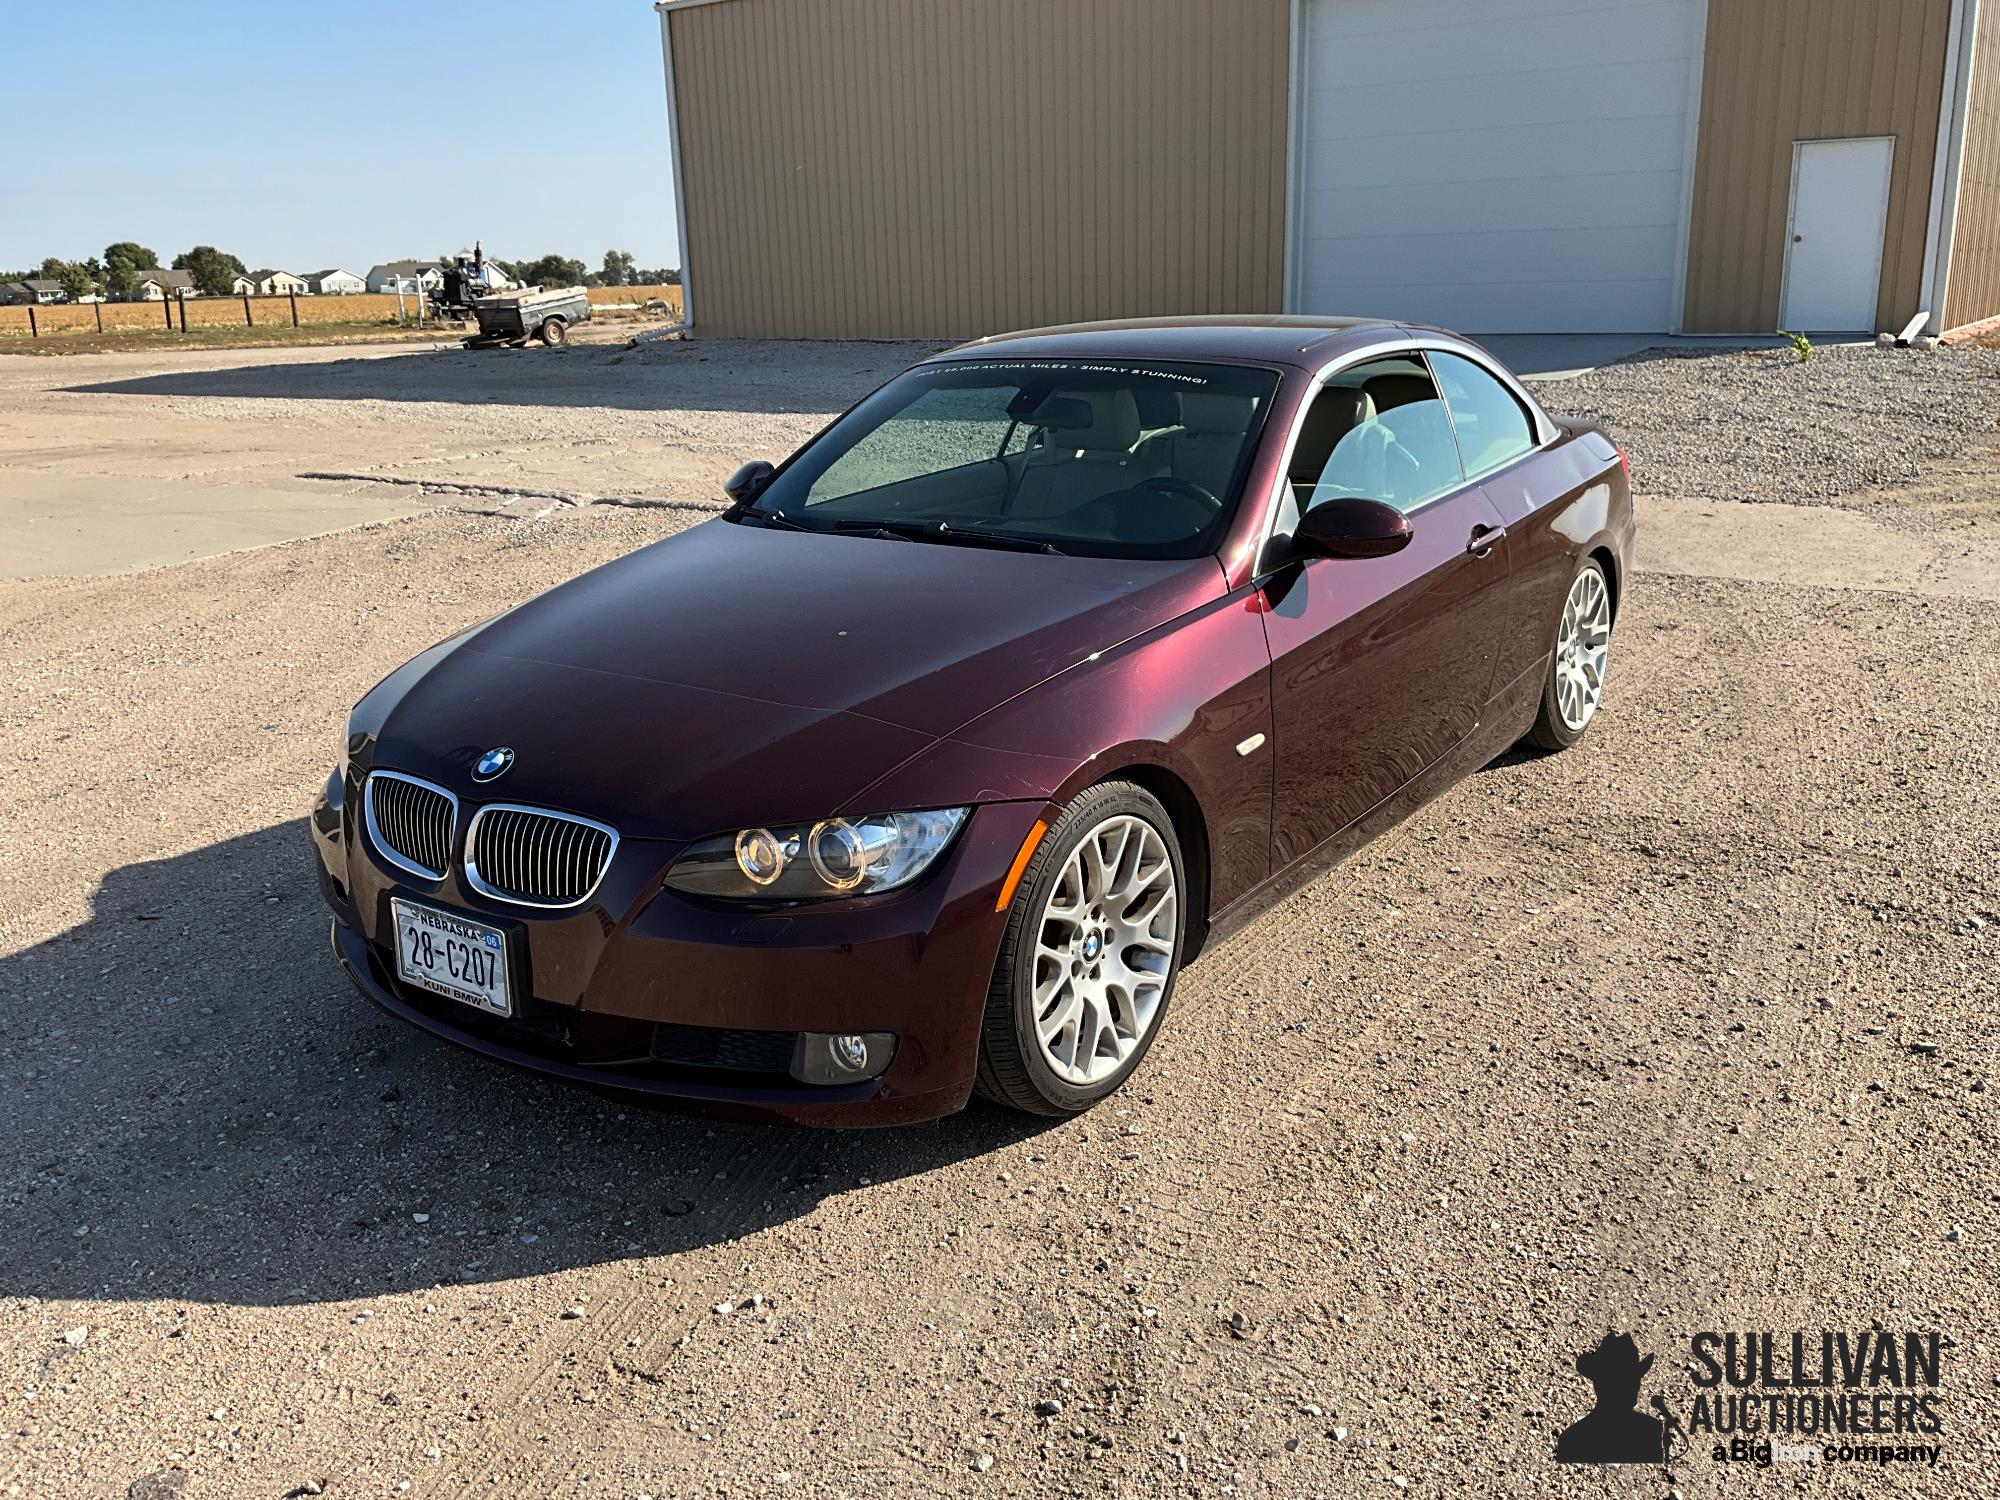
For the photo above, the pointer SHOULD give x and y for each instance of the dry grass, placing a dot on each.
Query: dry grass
(607, 296)
(121, 319)
(227, 337)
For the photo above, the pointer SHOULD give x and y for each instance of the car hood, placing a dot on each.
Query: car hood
(737, 675)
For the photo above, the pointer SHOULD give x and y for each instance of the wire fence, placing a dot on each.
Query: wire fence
(183, 314)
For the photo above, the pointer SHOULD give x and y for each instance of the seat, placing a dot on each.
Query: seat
(1336, 411)
(1403, 458)
(1076, 465)
(1206, 449)
(1391, 391)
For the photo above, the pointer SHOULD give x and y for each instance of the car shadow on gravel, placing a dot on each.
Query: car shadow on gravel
(199, 1107)
(713, 376)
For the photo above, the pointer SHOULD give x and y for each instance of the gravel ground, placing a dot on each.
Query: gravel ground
(1761, 426)
(1691, 1027)
(668, 420)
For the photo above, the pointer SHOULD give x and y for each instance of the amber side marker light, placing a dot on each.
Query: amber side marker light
(1020, 865)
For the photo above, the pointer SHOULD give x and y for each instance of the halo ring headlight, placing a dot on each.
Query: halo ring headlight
(832, 857)
(838, 854)
(759, 856)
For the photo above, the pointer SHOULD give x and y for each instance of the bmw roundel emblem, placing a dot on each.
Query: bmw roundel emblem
(493, 763)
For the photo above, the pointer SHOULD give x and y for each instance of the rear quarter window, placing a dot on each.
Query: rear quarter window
(1493, 427)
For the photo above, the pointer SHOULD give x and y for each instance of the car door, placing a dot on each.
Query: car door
(1499, 442)
(1380, 666)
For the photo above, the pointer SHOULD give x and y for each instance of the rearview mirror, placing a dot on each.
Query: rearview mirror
(743, 486)
(1351, 528)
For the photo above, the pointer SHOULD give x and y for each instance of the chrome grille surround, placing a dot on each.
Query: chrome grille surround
(410, 822)
(530, 856)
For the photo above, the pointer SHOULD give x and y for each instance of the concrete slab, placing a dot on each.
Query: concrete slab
(65, 525)
(1563, 356)
(1812, 546)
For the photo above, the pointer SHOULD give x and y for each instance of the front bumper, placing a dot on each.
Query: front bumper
(600, 985)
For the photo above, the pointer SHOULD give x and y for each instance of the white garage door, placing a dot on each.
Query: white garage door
(1500, 166)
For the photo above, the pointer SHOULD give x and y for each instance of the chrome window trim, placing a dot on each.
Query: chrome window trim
(381, 845)
(473, 878)
(1419, 345)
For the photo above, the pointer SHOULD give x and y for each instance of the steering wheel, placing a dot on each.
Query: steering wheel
(1173, 484)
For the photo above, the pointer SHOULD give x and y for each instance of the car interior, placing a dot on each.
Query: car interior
(1376, 432)
(1111, 460)
(1147, 462)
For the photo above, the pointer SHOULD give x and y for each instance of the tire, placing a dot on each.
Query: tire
(554, 332)
(1573, 689)
(1118, 989)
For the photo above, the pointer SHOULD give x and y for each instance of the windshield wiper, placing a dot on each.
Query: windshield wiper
(778, 519)
(944, 531)
(884, 530)
(974, 537)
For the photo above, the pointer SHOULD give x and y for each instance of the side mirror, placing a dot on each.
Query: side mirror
(747, 482)
(1351, 528)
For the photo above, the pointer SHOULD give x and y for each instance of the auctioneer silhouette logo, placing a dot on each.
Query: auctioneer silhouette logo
(1824, 1397)
(1615, 1431)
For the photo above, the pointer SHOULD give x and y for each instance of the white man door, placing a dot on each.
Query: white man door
(1839, 214)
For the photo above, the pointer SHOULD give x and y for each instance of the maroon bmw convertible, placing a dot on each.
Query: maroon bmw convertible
(927, 766)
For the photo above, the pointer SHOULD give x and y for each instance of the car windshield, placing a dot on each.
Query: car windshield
(1102, 458)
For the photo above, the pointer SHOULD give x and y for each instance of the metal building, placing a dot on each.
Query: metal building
(944, 168)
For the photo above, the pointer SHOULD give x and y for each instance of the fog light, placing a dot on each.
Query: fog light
(842, 1057)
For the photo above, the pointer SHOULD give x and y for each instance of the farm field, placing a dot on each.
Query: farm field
(269, 319)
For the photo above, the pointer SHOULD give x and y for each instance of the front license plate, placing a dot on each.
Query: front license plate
(453, 956)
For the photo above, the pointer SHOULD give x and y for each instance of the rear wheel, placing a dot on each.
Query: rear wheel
(555, 332)
(1091, 952)
(1574, 688)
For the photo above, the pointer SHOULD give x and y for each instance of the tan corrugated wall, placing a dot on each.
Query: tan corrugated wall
(1975, 251)
(947, 168)
(1779, 71)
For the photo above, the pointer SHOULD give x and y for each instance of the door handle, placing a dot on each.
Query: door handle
(1484, 539)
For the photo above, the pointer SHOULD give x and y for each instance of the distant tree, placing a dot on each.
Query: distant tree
(617, 269)
(213, 272)
(74, 275)
(552, 270)
(122, 263)
(665, 276)
(134, 254)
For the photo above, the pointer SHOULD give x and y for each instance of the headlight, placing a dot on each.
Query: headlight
(804, 861)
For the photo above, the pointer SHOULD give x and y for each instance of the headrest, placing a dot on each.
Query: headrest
(1214, 412)
(1158, 406)
(1390, 391)
(1345, 406)
(1059, 414)
(1114, 423)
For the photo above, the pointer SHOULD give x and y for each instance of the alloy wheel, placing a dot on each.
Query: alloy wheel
(1104, 949)
(1583, 641)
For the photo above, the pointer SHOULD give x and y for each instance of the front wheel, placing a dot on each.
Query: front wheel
(1574, 688)
(1090, 955)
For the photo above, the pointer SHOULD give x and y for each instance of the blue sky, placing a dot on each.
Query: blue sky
(310, 136)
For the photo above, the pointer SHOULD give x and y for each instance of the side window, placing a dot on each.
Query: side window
(1379, 433)
(940, 430)
(1492, 426)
